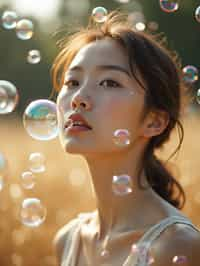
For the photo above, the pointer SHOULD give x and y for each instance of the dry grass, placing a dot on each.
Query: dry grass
(20, 245)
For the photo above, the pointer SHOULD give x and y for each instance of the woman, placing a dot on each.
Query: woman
(116, 78)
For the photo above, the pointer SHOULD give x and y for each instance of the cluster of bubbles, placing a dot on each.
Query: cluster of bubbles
(24, 27)
(24, 31)
(32, 212)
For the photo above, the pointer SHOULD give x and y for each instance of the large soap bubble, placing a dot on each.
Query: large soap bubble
(8, 97)
(40, 120)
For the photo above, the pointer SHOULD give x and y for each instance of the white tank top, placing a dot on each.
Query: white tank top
(70, 253)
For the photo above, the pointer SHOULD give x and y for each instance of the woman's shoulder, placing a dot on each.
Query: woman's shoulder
(179, 242)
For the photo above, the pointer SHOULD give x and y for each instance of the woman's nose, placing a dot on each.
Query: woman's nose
(80, 100)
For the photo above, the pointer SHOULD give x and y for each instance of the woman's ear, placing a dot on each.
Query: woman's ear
(155, 123)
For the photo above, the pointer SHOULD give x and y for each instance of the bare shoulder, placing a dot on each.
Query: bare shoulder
(61, 236)
(177, 240)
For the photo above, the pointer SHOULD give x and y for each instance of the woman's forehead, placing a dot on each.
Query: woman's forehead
(101, 52)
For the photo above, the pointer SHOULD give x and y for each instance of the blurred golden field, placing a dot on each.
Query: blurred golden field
(65, 189)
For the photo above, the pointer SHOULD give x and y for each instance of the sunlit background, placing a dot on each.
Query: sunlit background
(61, 181)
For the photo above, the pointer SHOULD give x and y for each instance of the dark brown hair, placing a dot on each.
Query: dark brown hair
(159, 67)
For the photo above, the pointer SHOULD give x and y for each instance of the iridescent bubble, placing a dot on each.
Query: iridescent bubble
(190, 74)
(28, 180)
(8, 97)
(9, 20)
(99, 14)
(197, 14)
(169, 6)
(198, 96)
(37, 162)
(121, 185)
(32, 212)
(121, 137)
(24, 29)
(179, 259)
(34, 57)
(40, 120)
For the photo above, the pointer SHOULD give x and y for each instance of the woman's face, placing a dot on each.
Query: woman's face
(112, 98)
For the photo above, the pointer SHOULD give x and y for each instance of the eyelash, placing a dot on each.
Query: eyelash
(116, 83)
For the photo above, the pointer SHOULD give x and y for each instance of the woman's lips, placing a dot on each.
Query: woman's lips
(76, 128)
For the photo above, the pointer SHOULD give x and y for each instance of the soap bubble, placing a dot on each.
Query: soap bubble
(27, 180)
(121, 137)
(190, 74)
(34, 57)
(99, 14)
(198, 96)
(197, 14)
(9, 20)
(179, 259)
(8, 97)
(169, 6)
(122, 185)
(32, 212)
(24, 29)
(37, 162)
(40, 120)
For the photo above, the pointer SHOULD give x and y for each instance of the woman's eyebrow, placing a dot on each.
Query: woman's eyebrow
(102, 67)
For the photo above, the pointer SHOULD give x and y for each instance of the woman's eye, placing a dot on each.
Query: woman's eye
(71, 83)
(110, 83)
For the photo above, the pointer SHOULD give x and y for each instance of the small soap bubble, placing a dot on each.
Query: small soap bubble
(9, 20)
(27, 180)
(99, 14)
(24, 29)
(197, 14)
(121, 185)
(33, 212)
(121, 137)
(179, 259)
(169, 6)
(40, 120)
(190, 74)
(37, 162)
(198, 96)
(8, 97)
(34, 57)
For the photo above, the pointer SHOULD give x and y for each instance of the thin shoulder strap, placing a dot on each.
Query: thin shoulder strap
(73, 239)
(153, 233)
